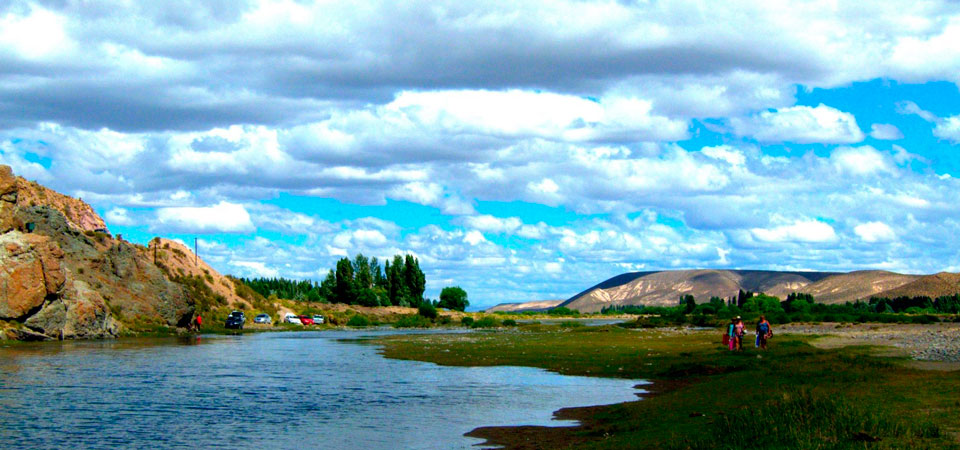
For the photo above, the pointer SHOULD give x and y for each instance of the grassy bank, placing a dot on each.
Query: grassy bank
(791, 396)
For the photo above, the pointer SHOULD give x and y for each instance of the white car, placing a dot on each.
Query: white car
(292, 318)
(317, 319)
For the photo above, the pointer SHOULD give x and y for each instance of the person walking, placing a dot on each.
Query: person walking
(731, 334)
(764, 332)
(738, 330)
(198, 322)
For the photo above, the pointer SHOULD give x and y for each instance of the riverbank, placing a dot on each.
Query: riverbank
(800, 393)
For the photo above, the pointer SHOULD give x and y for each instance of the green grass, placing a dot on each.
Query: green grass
(791, 396)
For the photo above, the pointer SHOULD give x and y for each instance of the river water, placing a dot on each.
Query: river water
(268, 391)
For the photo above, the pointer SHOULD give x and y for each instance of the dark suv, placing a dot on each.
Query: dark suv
(235, 320)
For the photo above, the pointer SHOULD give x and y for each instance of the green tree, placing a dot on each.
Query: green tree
(327, 285)
(344, 290)
(396, 289)
(414, 280)
(363, 277)
(453, 297)
(689, 303)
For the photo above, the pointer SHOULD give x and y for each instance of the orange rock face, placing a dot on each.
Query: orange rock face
(22, 285)
(50, 255)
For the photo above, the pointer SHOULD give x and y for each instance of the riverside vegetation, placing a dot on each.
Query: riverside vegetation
(792, 396)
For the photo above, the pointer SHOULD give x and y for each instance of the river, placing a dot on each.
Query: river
(268, 391)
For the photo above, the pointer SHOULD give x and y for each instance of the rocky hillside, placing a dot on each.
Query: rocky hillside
(61, 279)
(541, 305)
(933, 286)
(665, 288)
(861, 284)
(78, 214)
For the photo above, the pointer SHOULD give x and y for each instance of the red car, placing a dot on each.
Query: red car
(306, 320)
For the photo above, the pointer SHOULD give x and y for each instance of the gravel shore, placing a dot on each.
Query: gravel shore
(938, 342)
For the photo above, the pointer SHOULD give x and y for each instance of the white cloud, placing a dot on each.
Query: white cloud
(948, 129)
(864, 160)
(490, 224)
(256, 269)
(908, 107)
(119, 216)
(885, 132)
(223, 217)
(801, 124)
(798, 231)
(725, 153)
(875, 232)
(35, 36)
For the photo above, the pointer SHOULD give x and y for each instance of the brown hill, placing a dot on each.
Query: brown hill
(666, 287)
(540, 305)
(933, 286)
(59, 278)
(852, 286)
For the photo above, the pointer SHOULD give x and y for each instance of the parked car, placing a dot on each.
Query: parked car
(317, 319)
(306, 320)
(235, 320)
(291, 318)
(262, 318)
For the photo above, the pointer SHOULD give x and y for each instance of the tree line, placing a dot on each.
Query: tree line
(799, 307)
(364, 281)
(360, 281)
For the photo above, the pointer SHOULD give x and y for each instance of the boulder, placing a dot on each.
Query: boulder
(8, 184)
(22, 285)
(23, 334)
(50, 320)
(87, 315)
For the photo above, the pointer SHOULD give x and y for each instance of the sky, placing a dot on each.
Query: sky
(521, 150)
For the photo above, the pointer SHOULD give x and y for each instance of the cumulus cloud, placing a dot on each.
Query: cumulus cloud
(875, 232)
(864, 160)
(948, 129)
(813, 231)
(224, 217)
(119, 216)
(801, 124)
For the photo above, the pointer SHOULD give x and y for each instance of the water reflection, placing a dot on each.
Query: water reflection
(281, 390)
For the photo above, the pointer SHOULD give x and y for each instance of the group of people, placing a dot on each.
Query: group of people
(736, 329)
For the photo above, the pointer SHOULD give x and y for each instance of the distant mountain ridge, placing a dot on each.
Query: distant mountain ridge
(664, 288)
(534, 306)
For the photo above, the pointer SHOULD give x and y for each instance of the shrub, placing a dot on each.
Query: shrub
(359, 321)
(509, 323)
(563, 311)
(412, 321)
(427, 310)
(570, 324)
(468, 321)
(486, 322)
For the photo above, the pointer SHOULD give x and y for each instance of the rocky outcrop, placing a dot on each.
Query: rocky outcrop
(78, 214)
(22, 283)
(61, 279)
